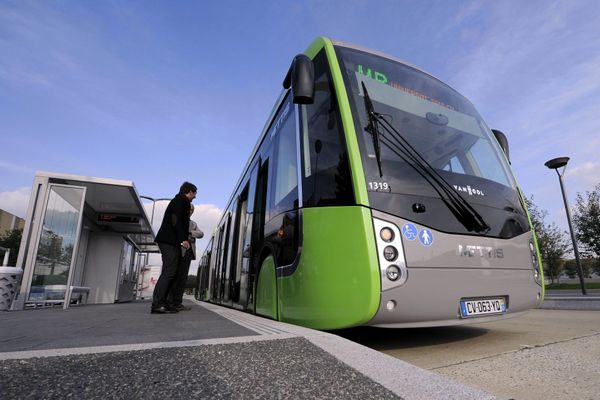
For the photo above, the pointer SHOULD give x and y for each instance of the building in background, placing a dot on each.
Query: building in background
(9, 222)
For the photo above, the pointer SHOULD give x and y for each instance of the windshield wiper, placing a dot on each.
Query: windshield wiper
(460, 208)
(373, 127)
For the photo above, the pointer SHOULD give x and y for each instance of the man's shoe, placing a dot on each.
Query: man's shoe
(181, 307)
(163, 310)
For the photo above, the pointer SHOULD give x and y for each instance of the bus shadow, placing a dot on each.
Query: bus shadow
(394, 338)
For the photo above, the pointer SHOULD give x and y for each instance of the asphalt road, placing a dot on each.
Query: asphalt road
(541, 354)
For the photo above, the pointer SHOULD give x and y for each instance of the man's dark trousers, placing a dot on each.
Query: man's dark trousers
(175, 296)
(171, 257)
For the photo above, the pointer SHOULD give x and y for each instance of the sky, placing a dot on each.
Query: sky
(158, 92)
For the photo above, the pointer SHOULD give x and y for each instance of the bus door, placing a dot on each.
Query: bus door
(222, 267)
(229, 256)
(203, 273)
(257, 230)
(214, 266)
(220, 260)
(243, 253)
(281, 228)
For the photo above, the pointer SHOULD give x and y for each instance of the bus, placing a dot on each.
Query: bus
(375, 195)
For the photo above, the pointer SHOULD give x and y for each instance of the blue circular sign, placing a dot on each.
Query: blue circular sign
(409, 231)
(426, 237)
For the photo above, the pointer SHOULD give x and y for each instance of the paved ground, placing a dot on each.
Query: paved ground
(541, 354)
(122, 351)
(563, 370)
(193, 372)
(109, 324)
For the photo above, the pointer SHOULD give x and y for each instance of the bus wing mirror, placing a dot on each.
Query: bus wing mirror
(301, 78)
(503, 141)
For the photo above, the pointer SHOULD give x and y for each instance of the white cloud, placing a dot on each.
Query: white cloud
(207, 216)
(16, 168)
(15, 202)
(586, 175)
(464, 13)
(534, 72)
(582, 80)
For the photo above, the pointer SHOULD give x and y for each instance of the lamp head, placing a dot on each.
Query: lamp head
(556, 163)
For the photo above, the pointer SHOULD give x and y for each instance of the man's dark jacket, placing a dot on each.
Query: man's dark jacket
(176, 222)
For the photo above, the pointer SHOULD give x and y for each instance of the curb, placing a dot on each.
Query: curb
(403, 379)
(591, 303)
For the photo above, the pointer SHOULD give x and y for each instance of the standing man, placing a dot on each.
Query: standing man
(175, 299)
(172, 237)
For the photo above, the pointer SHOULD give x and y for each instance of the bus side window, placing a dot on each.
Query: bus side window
(215, 267)
(454, 165)
(284, 182)
(221, 263)
(326, 170)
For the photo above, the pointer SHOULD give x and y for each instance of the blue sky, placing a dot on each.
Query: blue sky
(158, 92)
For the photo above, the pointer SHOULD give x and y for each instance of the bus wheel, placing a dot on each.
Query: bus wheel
(266, 289)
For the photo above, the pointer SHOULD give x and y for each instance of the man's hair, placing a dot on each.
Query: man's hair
(187, 187)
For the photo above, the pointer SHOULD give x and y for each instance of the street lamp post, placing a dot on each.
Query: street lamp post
(153, 200)
(555, 164)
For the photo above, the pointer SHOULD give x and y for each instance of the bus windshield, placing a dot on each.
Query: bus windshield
(444, 129)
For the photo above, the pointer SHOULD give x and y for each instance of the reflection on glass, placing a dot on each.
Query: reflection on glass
(127, 270)
(55, 249)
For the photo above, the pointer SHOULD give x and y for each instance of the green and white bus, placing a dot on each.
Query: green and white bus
(375, 195)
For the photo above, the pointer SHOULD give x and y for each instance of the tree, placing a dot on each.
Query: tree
(190, 284)
(587, 266)
(552, 242)
(587, 222)
(11, 240)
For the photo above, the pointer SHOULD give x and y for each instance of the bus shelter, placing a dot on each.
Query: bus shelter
(84, 240)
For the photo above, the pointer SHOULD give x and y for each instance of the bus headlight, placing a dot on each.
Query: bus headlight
(393, 273)
(390, 253)
(386, 234)
(535, 263)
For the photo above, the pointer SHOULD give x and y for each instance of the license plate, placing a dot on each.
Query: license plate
(477, 307)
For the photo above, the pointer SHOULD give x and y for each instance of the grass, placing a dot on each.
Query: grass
(571, 286)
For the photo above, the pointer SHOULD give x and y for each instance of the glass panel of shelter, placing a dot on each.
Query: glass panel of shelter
(58, 242)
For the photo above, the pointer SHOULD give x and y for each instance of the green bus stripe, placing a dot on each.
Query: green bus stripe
(539, 256)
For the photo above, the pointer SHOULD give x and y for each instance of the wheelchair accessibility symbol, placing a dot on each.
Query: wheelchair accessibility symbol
(409, 231)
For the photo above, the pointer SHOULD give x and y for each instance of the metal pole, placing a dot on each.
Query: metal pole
(575, 249)
(152, 217)
(152, 228)
(153, 200)
(151, 221)
(6, 256)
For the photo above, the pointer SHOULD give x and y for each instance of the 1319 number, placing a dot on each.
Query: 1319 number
(379, 186)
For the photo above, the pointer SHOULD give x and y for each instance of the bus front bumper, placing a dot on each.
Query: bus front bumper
(432, 296)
